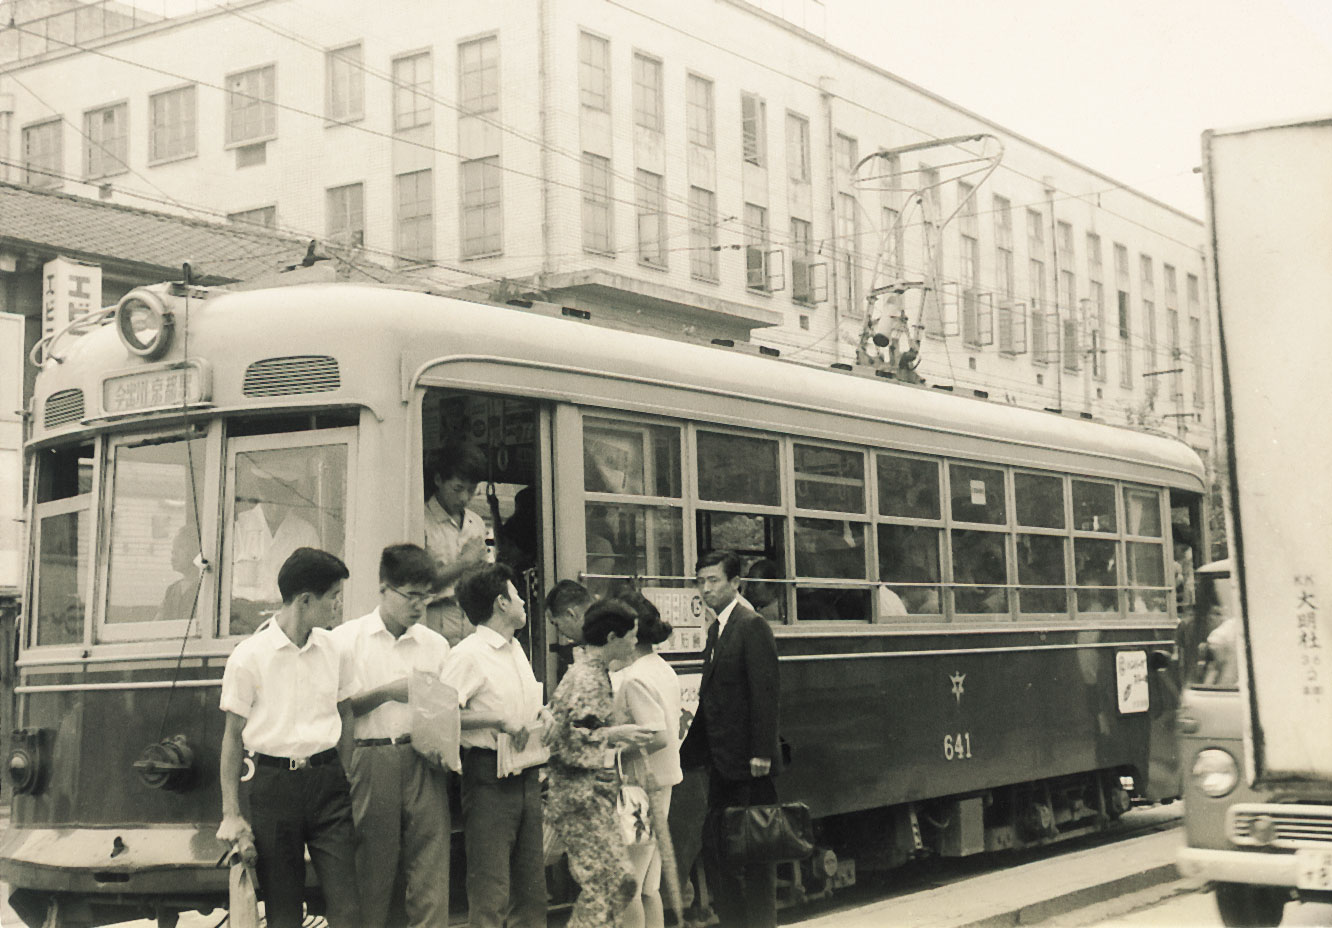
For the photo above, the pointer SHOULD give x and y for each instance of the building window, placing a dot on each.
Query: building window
(1196, 352)
(1010, 332)
(703, 234)
(1096, 296)
(847, 154)
(1067, 295)
(756, 248)
(346, 83)
(413, 86)
(478, 76)
(797, 148)
(895, 257)
(43, 154)
(977, 326)
(251, 113)
(171, 131)
(932, 248)
(700, 112)
(416, 216)
(345, 208)
(481, 190)
(1147, 282)
(597, 204)
(264, 217)
(651, 219)
(754, 129)
(1036, 287)
(648, 103)
(593, 72)
(802, 251)
(1123, 316)
(848, 254)
(106, 141)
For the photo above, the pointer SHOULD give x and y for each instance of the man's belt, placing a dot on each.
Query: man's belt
(296, 763)
(381, 742)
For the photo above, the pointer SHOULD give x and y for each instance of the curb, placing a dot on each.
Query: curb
(1078, 899)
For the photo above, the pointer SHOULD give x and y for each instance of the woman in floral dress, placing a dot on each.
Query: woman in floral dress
(584, 782)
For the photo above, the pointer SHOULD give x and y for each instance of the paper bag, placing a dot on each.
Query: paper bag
(243, 905)
(436, 722)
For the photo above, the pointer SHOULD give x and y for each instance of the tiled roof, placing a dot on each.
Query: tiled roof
(91, 229)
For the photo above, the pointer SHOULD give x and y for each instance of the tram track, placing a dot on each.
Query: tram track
(926, 875)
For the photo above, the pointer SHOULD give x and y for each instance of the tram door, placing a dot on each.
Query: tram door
(506, 432)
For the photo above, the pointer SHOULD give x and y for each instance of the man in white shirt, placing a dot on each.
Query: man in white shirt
(506, 879)
(454, 535)
(400, 802)
(281, 692)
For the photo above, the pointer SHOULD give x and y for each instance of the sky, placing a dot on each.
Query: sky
(1124, 86)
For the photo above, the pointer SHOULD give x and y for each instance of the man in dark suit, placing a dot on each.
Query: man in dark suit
(734, 735)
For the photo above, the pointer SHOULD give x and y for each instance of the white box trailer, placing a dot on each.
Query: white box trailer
(1269, 195)
(1257, 751)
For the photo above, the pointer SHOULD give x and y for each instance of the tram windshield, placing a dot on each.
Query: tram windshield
(65, 479)
(1216, 620)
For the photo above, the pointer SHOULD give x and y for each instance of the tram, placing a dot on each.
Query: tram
(973, 603)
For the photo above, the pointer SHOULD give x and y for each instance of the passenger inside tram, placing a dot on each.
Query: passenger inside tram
(767, 598)
(179, 599)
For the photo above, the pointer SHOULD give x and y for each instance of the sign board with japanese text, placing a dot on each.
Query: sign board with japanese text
(684, 609)
(1269, 195)
(70, 289)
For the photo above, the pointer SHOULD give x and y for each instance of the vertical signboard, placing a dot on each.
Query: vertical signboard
(1269, 194)
(11, 451)
(69, 290)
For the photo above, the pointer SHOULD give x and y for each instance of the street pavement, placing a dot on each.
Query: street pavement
(1176, 905)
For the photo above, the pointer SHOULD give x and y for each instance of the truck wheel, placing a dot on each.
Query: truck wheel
(1244, 905)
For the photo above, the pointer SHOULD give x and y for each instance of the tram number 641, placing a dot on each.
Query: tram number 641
(958, 746)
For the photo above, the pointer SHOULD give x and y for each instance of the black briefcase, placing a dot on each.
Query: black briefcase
(766, 834)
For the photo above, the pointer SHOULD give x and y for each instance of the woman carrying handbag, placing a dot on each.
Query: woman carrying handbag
(647, 692)
(584, 776)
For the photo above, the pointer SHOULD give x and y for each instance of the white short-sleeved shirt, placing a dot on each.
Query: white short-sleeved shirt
(379, 658)
(492, 675)
(287, 695)
(445, 538)
(648, 692)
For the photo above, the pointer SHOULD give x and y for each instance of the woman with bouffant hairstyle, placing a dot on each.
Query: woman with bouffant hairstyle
(647, 692)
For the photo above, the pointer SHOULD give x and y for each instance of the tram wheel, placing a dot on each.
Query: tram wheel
(1245, 905)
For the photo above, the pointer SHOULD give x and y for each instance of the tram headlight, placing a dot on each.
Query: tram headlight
(27, 760)
(145, 324)
(1215, 772)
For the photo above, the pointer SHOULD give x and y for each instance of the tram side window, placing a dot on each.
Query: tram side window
(282, 499)
(63, 542)
(980, 558)
(1038, 500)
(910, 571)
(742, 474)
(760, 542)
(830, 481)
(1093, 506)
(1145, 553)
(634, 516)
(153, 570)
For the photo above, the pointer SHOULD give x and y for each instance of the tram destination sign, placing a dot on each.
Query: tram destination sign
(161, 388)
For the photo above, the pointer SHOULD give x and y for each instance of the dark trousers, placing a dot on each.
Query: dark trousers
(401, 809)
(744, 896)
(506, 875)
(290, 811)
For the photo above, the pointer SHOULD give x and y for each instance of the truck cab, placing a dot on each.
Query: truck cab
(1257, 847)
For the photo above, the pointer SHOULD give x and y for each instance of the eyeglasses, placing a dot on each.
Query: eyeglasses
(416, 599)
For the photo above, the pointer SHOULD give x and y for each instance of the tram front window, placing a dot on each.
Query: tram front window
(282, 499)
(156, 495)
(63, 542)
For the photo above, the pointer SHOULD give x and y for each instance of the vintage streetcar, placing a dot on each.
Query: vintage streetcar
(974, 603)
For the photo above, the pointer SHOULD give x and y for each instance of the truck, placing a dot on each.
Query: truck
(1255, 722)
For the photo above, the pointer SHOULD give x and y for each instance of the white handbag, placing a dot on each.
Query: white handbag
(633, 812)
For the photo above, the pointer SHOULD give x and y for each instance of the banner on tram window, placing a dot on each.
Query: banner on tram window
(1270, 217)
(70, 289)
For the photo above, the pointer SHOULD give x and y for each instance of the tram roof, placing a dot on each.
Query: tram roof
(387, 339)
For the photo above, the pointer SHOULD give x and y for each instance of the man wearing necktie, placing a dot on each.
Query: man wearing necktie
(734, 735)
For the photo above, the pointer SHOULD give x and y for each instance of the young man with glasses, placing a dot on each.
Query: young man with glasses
(399, 801)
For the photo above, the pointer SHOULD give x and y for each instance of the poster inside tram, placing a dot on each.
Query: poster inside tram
(1270, 212)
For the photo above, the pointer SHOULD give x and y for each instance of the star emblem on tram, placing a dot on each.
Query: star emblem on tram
(958, 689)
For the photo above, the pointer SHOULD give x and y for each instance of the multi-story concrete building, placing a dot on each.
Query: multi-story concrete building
(688, 168)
